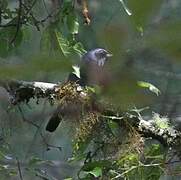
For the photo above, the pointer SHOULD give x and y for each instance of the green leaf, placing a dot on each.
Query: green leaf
(153, 150)
(140, 29)
(72, 23)
(6, 156)
(13, 173)
(35, 161)
(63, 43)
(161, 122)
(96, 172)
(91, 89)
(91, 165)
(95, 168)
(77, 157)
(6, 36)
(150, 86)
(113, 126)
(126, 8)
(76, 71)
(81, 146)
(78, 47)
(1, 155)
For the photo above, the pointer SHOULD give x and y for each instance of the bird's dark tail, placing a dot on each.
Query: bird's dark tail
(53, 123)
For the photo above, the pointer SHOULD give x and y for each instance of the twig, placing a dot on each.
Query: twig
(30, 8)
(19, 169)
(9, 25)
(24, 119)
(45, 6)
(134, 167)
(112, 117)
(18, 22)
(48, 146)
(32, 16)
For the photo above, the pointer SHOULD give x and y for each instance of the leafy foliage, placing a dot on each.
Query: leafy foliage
(150, 86)
(161, 122)
(6, 36)
(106, 146)
(65, 19)
(128, 159)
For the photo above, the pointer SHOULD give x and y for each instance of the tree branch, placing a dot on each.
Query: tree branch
(22, 91)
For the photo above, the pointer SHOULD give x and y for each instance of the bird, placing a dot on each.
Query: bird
(91, 73)
(91, 68)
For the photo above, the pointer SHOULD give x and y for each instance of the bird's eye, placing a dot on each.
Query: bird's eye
(101, 54)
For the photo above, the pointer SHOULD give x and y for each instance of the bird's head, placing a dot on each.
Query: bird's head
(98, 56)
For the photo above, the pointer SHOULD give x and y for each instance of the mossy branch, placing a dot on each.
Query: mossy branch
(22, 92)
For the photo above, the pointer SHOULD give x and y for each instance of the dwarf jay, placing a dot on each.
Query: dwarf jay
(91, 73)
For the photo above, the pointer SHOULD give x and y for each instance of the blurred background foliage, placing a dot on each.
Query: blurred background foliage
(50, 36)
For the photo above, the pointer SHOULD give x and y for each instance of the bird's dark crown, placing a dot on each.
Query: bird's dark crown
(98, 56)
